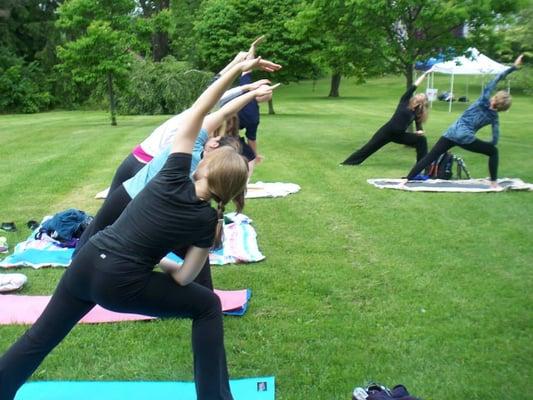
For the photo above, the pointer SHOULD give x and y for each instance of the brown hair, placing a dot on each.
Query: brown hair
(502, 100)
(419, 104)
(232, 142)
(226, 180)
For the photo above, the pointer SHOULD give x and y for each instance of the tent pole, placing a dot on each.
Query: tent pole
(451, 95)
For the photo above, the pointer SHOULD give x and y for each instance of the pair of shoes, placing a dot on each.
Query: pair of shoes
(8, 227)
(3, 244)
(32, 224)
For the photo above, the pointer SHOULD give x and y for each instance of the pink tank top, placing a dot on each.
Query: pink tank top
(141, 155)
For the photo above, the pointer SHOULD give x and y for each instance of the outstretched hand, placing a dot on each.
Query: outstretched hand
(253, 46)
(518, 61)
(265, 90)
(259, 63)
(256, 84)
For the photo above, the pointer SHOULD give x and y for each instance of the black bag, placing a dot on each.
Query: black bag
(443, 167)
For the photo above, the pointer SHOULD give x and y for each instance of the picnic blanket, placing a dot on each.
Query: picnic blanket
(442, 185)
(253, 190)
(270, 189)
(22, 310)
(258, 388)
(240, 246)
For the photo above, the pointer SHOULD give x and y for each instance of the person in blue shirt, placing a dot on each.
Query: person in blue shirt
(484, 111)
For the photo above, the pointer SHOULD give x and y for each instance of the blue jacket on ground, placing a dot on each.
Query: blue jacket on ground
(477, 116)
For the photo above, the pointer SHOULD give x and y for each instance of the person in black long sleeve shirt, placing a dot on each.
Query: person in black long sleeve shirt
(411, 108)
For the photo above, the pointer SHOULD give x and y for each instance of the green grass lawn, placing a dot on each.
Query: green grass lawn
(359, 284)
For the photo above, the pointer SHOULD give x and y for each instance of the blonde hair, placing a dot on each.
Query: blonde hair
(419, 104)
(230, 127)
(502, 100)
(226, 181)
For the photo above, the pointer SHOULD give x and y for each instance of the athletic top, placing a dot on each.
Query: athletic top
(403, 116)
(478, 115)
(249, 114)
(135, 184)
(162, 136)
(165, 216)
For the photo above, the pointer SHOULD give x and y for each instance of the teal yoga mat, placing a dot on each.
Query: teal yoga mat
(262, 388)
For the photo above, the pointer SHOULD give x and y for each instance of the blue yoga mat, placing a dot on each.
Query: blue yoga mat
(262, 388)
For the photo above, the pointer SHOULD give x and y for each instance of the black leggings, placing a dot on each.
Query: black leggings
(96, 277)
(383, 136)
(113, 206)
(126, 170)
(444, 144)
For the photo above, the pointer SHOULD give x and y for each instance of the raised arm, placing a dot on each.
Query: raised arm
(242, 55)
(407, 95)
(421, 78)
(215, 119)
(492, 84)
(193, 117)
(239, 90)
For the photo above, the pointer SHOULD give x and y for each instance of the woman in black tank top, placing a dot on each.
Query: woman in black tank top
(410, 108)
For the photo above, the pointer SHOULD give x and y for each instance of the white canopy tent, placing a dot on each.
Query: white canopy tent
(474, 63)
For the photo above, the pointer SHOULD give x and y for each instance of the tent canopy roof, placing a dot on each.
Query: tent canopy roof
(475, 64)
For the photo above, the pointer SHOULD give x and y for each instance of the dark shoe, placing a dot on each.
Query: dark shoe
(32, 224)
(8, 227)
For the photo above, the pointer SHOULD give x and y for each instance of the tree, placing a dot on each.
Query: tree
(224, 27)
(339, 27)
(100, 49)
(157, 13)
(416, 29)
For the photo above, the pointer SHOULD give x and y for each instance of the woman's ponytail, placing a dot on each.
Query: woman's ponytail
(219, 231)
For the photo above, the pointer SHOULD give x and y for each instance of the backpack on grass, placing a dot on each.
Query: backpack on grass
(443, 167)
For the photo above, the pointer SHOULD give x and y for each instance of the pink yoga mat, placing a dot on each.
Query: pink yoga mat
(15, 309)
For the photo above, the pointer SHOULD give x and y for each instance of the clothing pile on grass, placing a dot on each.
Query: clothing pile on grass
(51, 243)
(376, 391)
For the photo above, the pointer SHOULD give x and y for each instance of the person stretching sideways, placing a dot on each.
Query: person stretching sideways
(482, 112)
(115, 268)
(409, 108)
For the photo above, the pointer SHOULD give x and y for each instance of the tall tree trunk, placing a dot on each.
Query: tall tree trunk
(335, 83)
(160, 41)
(408, 72)
(111, 93)
(160, 46)
(271, 107)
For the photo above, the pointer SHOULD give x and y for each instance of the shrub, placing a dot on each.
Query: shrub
(167, 87)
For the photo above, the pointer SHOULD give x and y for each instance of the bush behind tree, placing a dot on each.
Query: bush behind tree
(167, 87)
(24, 88)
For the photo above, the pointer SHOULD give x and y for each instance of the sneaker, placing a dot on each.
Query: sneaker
(359, 394)
(420, 177)
(32, 224)
(8, 226)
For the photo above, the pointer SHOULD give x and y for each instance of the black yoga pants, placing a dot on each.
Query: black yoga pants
(113, 206)
(119, 285)
(126, 170)
(383, 136)
(445, 144)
